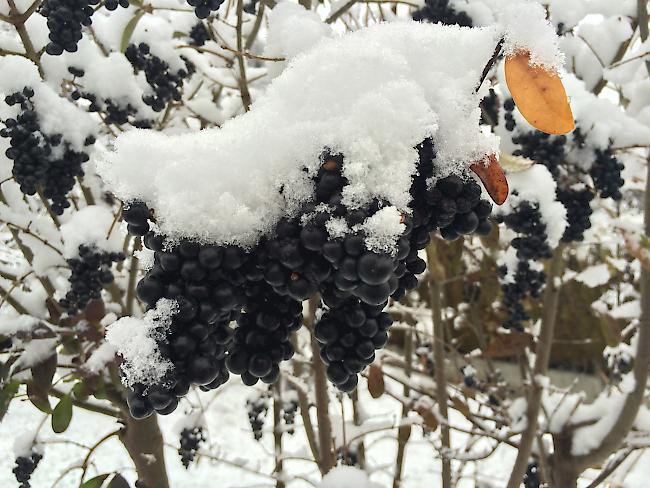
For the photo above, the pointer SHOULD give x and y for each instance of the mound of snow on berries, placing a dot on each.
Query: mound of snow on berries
(346, 477)
(136, 341)
(92, 225)
(371, 95)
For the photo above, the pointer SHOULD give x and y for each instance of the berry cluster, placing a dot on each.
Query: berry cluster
(205, 282)
(531, 477)
(42, 162)
(453, 205)
(440, 12)
(262, 288)
(348, 455)
(198, 34)
(113, 4)
(606, 174)
(490, 109)
(289, 410)
(578, 212)
(349, 334)
(89, 273)
(542, 148)
(65, 20)
(24, 468)
(203, 8)
(257, 409)
(531, 245)
(190, 443)
(509, 107)
(262, 338)
(166, 85)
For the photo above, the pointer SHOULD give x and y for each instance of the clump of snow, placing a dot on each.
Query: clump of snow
(523, 26)
(35, 352)
(594, 275)
(135, 340)
(99, 358)
(56, 115)
(383, 229)
(20, 324)
(371, 95)
(346, 477)
(90, 226)
(292, 30)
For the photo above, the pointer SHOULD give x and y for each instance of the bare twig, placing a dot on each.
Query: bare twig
(542, 355)
(243, 83)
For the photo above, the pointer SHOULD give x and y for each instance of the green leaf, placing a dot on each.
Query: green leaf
(80, 391)
(118, 481)
(95, 482)
(38, 397)
(128, 30)
(62, 414)
(43, 372)
(6, 395)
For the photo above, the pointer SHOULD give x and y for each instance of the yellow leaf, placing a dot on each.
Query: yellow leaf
(539, 95)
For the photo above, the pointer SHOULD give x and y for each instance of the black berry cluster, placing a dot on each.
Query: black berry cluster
(257, 408)
(509, 107)
(205, 281)
(65, 21)
(348, 455)
(262, 338)
(41, 162)
(262, 289)
(203, 8)
(606, 174)
(113, 4)
(543, 149)
(349, 334)
(578, 212)
(453, 205)
(289, 410)
(198, 34)
(490, 109)
(24, 468)
(440, 12)
(166, 84)
(531, 477)
(530, 243)
(90, 272)
(190, 443)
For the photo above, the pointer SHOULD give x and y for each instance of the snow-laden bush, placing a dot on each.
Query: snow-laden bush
(185, 185)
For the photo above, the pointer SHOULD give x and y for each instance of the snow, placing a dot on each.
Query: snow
(135, 340)
(346, 477)
(604, 412)
(99, 358)
(593, 276)
(90, 226)
(17, 325)
(292, 30)
(56, 115)
(35, 352)
(366, 94)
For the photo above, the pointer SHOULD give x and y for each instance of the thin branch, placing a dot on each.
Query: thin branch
(542, 355)
(435, 291)
(489, 64)
(326, 460)
(243, 83)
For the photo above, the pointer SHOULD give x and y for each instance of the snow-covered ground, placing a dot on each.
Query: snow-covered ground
(230, 438)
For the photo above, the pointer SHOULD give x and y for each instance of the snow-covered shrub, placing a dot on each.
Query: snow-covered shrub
(294, 193)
